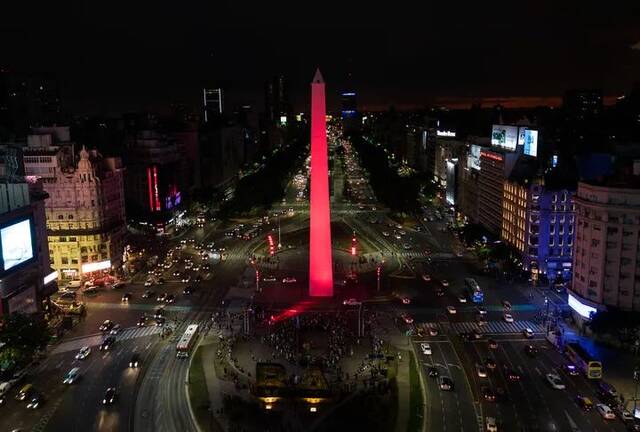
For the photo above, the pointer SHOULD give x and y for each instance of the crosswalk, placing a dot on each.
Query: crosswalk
(415, 254)
(491, 327)
(96, 339)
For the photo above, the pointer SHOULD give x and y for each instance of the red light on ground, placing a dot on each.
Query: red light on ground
(353, 250)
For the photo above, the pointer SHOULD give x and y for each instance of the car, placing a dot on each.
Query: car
(492, 344)
(481, 310)
(446, 383)
(481, 370)
(433, 331)
(126, 297)
(385, 233)
(206, 267)
(476, 334)
(188, 290)
(72, 376)
(406, 300)
(506, 304)
(528, 333)
(605, 411)
(488, 394)
(491, 425)
(452, 310)
(351, 302)
(109, 396)
(584, 403)
(118, 285)
(170, 298)
(407, 318)
(186, 279)
(555, 381)
(160, 321)
(115, 330)
(570, 369)
(426, 348)
(511, 374)
(289, 279)
(439, 292)
(36, 401)
(462, 298)
(481, 319)
(490, 363)
(530, 350)
(107, 343)
(106, 325)
(83, 353)
(444, 283)
(176, 273)
(148, 294)
(507, 317)
(142, 321)
(160, 281)
(134, 361)
(606, 391)
(159, 312)
(623, 414)
(268, 278)
(162, 297)
(197, 279)
(148, 282)
(426, 277)
(406, 246)
(433, 372)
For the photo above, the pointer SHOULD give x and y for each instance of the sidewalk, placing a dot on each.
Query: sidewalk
(404, 390)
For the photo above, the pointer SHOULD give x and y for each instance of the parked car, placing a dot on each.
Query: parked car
(426, 348)
(555, 381)
(605, 411)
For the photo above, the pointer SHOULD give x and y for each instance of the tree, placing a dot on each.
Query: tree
(22, 336)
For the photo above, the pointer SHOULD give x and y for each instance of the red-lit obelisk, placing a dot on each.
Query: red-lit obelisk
(320, 257)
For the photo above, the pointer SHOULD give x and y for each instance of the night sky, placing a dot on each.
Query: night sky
(112, 56)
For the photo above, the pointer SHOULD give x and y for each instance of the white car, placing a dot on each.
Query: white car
(384, 233)
(508, 318)
(289, 280)
(528, 333)
(148, 282)
(433, 331)
(426, 277)
(72, 376)
(452, 310)
(482, 371)
(462, 298)
(83, 353)
(605, 411)
(555, 381)
(351, 302)
(426, 348)
(491, 424)
(444, 283)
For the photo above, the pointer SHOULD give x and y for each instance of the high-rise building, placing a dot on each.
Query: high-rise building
(213, 100)
(348, 104)
(607, 252)
(582, 129)
(26, 278)
(495, 167)
(539, 223)
(276, 99)
(155, 179)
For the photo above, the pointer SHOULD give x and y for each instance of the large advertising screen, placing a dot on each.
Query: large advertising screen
(504, 136)
(451, 182)
(17, 243)
(531, 142)
(473, 161)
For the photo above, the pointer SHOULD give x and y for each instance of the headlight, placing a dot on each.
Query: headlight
(104, 401)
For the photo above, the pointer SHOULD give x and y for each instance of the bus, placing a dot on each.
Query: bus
(584, 361)
(473, 290)
(187, 341)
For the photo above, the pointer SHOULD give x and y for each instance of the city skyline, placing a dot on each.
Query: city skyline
(513, 52)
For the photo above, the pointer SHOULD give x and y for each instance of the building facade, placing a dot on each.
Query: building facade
(26, 279)
(539, 224)
(606, 262)
(86, 216)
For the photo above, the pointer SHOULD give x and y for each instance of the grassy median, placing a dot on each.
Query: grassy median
(415, 398)
(198, 393)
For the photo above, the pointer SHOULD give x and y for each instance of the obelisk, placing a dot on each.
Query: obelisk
(320, 256)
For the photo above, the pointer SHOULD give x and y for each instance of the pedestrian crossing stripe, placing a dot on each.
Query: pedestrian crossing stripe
(491, 327)
(96, 339)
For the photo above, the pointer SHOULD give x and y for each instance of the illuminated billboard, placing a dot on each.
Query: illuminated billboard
(582, 309)
(451, 182)
(96, 266)
(473, 160)
(531, 142)
(504, 136)
(17, 243)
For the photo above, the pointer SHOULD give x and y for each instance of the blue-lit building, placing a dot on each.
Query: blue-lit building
(538, 219)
